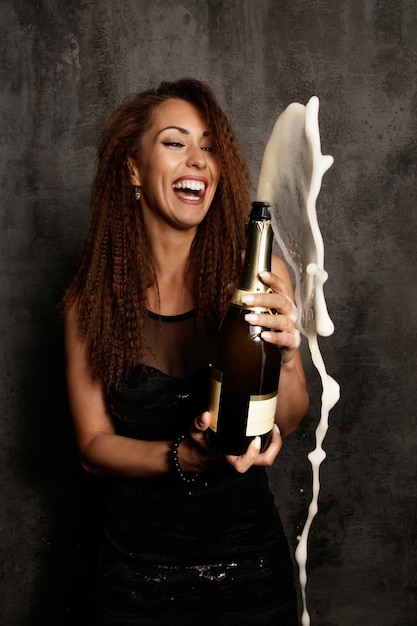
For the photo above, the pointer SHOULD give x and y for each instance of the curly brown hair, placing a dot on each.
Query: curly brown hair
(111, 307)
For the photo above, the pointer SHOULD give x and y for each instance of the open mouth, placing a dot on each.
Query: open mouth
(189, 189)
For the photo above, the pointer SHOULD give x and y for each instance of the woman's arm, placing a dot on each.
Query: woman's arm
(101, 450)
(293, 400)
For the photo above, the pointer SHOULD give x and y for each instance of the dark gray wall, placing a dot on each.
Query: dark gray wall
(64, 65)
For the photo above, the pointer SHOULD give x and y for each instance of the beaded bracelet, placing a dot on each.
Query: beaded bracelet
(189, 478)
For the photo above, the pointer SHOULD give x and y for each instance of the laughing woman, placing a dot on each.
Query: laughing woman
(168, 211)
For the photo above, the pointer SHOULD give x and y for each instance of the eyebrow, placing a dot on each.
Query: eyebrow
(184, 131)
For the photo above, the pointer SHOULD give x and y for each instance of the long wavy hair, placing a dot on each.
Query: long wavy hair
(116, 268)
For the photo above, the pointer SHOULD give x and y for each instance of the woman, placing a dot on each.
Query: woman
(166, 233)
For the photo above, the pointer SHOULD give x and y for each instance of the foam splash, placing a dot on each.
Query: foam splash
(290, 180)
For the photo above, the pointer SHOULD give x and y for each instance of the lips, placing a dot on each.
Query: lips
(190, 189)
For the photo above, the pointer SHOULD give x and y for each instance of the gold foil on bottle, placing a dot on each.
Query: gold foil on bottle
(257, 259)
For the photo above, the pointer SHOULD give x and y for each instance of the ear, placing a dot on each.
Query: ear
(133, 172)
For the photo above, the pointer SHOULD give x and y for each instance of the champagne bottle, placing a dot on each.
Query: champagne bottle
(245, 368)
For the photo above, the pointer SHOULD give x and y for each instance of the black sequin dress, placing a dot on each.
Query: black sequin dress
(174, 555)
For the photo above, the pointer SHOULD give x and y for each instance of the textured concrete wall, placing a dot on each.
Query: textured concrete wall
(64, 65)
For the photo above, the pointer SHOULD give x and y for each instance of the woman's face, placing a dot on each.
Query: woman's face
(177, 172)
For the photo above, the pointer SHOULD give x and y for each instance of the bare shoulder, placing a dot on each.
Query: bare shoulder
(279, 267)
(71, 329)
(70, 315)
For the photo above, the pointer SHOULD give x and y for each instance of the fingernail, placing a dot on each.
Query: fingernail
(257, 443)
(264, 274)
(277, 429)
(248, 299)
(251, 317)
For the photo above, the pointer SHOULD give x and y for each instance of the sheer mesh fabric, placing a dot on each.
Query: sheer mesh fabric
(175, 347)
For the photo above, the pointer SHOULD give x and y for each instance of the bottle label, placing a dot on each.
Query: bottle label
(261, 414)
(215, 391)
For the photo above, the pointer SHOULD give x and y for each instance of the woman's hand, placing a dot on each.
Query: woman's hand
(195, 453)
(283, 332)
(253, 455)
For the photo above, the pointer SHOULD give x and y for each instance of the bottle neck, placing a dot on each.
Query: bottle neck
(258, 253)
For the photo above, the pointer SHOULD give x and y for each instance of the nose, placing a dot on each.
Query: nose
(196, 157)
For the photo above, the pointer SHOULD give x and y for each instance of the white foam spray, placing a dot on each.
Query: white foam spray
(290, 180)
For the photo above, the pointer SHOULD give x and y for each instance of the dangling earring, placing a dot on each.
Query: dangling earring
(137, 193)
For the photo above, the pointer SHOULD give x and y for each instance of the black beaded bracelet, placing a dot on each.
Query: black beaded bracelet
(189, 478)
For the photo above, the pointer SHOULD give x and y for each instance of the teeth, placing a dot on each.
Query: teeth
(194, 185)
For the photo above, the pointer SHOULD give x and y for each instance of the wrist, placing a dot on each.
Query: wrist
(179, 467)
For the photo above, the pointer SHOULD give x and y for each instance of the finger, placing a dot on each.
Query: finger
(275, 282)
(202, 422)
(274, 322)
(293, 313)
(280, 286)
(199, 426)
(198, 439)
(275, 302)
(269, 455)
(253, 456)
(289, 340)
(267, 300)
(243, 462)
(277, 329)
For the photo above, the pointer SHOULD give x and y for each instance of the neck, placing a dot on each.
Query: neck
(170, 295)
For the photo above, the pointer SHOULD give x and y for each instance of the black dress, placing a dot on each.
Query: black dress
(214, 553)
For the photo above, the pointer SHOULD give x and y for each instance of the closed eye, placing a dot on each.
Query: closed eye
(173, 144)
